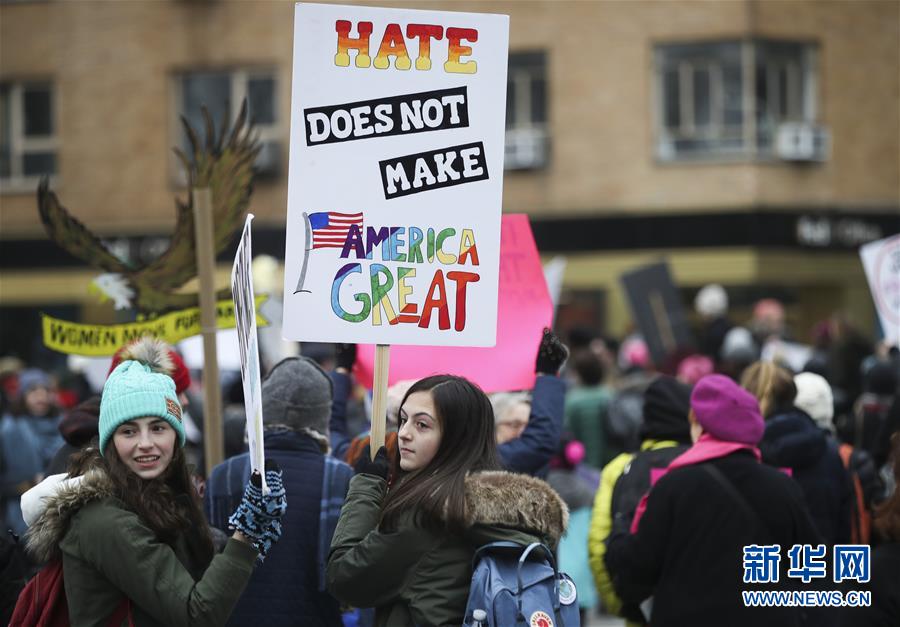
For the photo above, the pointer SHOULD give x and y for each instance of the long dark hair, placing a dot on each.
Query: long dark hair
(437, 491)
(168, 504)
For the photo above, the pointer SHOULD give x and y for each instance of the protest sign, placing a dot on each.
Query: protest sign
(657, 310)
(881, 261)
(395, 176)
(245, 319)
(103, 340)
(792, 354)
(525, 308)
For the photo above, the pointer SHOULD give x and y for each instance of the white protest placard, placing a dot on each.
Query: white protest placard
(881, 261)
(245, 326)
(396, 176)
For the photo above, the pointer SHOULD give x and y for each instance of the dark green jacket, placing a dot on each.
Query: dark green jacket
(108, 554)
(415, 576)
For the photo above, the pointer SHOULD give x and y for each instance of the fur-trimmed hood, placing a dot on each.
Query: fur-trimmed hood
(514, 501)
(64, 501)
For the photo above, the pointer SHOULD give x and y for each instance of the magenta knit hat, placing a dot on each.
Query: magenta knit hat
(727, 411)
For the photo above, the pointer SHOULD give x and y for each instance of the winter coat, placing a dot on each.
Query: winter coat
(530, 453)
(27, 444)
(109, 553)
(418, 576)
(585, 413)
(792, 440)
(289, 587)
(601, 521)
(687, 550)
(578, 495)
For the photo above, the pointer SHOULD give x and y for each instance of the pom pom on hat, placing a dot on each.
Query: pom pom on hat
(159, 356)
(727, 411)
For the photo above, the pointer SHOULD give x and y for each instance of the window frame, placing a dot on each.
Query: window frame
(239, 79)
(525, 129)
(805, 76)
(17, 181)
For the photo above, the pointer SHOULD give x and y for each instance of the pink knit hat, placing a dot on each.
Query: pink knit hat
(727, 411)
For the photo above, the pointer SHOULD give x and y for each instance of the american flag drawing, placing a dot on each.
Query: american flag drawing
(330, 228)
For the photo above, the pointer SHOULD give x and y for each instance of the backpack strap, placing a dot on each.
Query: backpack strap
(736, 496)
(493, 545)
(531, 547)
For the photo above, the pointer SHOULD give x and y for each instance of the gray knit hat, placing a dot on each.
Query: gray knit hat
(296, 394)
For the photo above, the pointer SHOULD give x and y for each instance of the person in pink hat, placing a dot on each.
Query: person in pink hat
(686, 542)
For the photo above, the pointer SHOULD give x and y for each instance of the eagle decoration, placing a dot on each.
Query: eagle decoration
(223, 165)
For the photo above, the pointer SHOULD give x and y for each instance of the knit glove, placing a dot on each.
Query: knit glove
(377, 467)
(258, 516)
(344, 356)
(552, 354)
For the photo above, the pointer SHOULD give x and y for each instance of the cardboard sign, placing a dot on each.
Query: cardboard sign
(245, 318)
(881, 261)
(395, 177)
(657, 310)
(525, 309)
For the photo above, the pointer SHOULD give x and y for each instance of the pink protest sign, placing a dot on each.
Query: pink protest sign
(524, 309)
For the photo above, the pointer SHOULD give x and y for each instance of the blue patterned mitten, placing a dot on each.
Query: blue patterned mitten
(258, 516)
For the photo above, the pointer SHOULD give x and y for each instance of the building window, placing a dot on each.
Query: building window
(708, 109)
(222, 93)
(526, 111)
(28, 141)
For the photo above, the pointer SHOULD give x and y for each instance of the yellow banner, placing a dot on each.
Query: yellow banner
(103, 340)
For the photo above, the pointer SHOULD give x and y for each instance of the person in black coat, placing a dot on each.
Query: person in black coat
(686, 548)
(289, 588)
(792, 440)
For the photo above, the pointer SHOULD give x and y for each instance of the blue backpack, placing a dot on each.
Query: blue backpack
(510, 589)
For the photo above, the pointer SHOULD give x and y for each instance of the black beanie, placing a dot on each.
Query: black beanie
(667, 402)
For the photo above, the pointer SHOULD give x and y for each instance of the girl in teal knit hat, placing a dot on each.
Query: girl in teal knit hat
(127, 524)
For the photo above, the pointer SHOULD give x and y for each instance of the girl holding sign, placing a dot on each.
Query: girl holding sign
(126, 530)
(407, 548)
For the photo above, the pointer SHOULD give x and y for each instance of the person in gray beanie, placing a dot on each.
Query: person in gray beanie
(289, 588)
(296, 396)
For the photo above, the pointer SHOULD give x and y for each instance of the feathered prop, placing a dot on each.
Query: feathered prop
(225, 166)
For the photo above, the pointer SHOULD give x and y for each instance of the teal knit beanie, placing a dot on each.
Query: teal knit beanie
(133, 390)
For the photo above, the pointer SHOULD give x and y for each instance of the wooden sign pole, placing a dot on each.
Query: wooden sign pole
(213, 437)
(379, 397)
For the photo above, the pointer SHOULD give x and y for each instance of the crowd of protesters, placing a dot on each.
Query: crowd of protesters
(647, 480)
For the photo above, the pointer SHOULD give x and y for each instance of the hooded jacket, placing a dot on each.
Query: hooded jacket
(417, 576)
(108, 552)
(792, 440)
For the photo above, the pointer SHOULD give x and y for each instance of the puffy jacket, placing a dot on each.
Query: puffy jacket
(792, 440)
(417, 576)
(108, 552)
(601, 522)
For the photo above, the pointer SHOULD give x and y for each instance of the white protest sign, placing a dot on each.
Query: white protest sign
(881, 261)
(794, 355)
(396, 176)
(245, 326)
